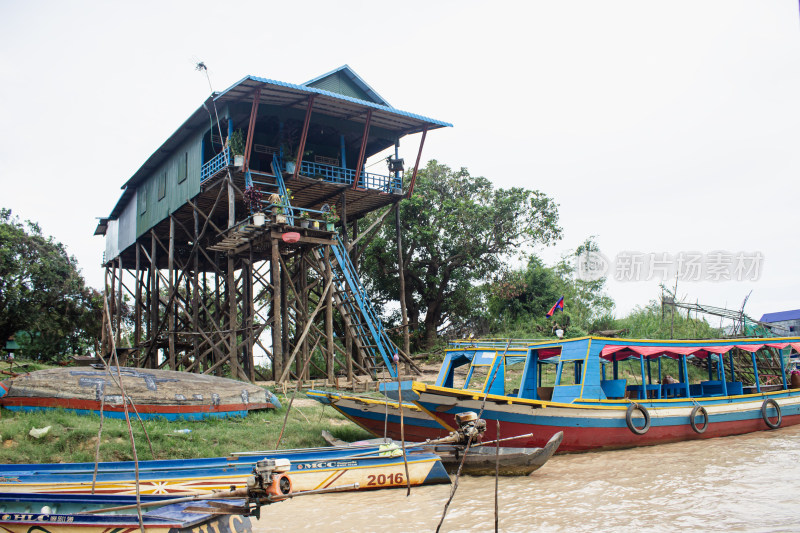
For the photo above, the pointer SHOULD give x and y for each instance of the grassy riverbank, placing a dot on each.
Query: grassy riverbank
(73, 438)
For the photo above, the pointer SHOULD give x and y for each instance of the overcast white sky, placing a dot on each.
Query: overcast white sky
(659, 127)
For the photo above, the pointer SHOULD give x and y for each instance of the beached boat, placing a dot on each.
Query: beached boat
(375, 414)
(598, 411)
(483, 460)
(371, 466)
(155, 393)
(26, 513)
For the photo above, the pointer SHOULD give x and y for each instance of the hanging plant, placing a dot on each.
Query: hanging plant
(252, 199)
(236, 141)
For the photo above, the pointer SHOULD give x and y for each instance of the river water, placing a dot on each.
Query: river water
(744, 483)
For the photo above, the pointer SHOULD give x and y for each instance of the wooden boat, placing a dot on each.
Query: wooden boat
(483, 460)
(598, 413)
(25, 513)
(155, 393)
(373, 414)
(371, 466)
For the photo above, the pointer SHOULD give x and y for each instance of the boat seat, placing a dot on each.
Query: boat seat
(544, 393)
(673, 390)
(712, 388)
(734, 388)
(613, 388)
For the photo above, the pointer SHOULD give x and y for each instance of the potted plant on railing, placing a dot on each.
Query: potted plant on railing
(277, 211)
(303, 216)
(291, 161)
(236, 143)
(252, 199)
(330, 216)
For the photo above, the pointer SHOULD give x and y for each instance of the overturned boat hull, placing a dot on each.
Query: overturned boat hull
(154, 393)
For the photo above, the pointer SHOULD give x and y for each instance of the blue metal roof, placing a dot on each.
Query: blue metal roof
(250, 82)
(781, 316)
(281, 93)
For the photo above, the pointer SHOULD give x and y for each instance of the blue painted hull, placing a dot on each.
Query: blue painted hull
(310, 470)
(45, 512)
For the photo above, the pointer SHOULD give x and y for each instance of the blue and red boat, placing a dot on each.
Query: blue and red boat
(591, 402)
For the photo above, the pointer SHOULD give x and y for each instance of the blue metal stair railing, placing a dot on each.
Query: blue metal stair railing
(277, 169)
(346, 278)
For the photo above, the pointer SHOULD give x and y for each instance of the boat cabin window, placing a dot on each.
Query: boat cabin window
(477, 378)
(514, 375)
(460, 376)
(570, 373)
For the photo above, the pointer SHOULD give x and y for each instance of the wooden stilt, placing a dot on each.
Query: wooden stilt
(277, 341)
(328, 315)
(170, 313)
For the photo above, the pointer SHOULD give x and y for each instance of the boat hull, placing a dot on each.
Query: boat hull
(155, 393)
(374, 414)
(24, 513)
(602, 425)
(369, 467)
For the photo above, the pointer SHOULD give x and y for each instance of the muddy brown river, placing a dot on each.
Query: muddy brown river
(745, 483)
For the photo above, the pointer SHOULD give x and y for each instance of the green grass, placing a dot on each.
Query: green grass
(73, 438)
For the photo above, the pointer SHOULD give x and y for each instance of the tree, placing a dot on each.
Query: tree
(458, 231)
(43, 293)
(585, 299)
(520, 299)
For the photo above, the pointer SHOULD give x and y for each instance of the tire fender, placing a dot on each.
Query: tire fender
(770, 402)
(693, 419)
(629, 418)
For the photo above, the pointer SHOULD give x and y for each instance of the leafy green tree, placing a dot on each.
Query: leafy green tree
(519, 299)
(585, 300)
(43, 294)
(458, 231)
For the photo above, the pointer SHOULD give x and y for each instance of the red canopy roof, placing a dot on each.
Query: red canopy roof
(617, 353)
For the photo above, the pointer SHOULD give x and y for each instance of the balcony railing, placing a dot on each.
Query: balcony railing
(345, 176)
(215, 164)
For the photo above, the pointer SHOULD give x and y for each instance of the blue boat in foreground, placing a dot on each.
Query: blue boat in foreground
(370, 466)
(25, 513)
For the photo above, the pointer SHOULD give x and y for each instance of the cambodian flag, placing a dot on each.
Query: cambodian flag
(559, 305)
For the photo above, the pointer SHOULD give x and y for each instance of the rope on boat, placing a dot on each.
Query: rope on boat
(99, 436)
(294, 393)
(386, 411)
(402, 425)
(469, 443)
(127, 414)
(496, 479)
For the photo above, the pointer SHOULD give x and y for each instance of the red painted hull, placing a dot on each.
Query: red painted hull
(583, 439)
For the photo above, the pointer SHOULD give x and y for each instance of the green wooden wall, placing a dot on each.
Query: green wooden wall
(177, 179)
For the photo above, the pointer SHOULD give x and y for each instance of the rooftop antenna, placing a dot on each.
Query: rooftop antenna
(201, 66)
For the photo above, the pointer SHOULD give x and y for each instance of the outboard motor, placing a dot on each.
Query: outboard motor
(269, 479)
(469, 425)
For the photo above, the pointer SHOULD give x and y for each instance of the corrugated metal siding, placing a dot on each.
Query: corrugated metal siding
(112, 248)
(176, 193)
(127, 225)
(340, 84)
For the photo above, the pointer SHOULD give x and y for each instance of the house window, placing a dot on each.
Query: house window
(162, 185)
(142, 195)
(182, 165)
